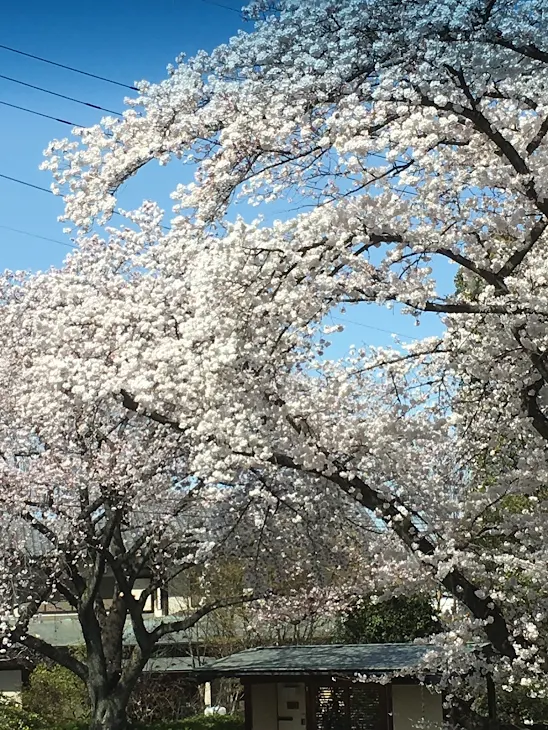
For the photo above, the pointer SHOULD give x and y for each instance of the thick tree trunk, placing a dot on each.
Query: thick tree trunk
(108, 713)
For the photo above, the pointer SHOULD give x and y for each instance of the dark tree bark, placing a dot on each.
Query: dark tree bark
(108, 712)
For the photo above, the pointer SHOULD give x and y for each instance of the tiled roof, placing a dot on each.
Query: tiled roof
(184, 664)
(322, 659)
(64, 629)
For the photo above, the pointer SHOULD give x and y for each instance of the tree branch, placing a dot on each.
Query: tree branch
(58, 654)
(458, 585)
(535, 143)
(171, 627)
(129, 402)
(455, 581)
(517, 257)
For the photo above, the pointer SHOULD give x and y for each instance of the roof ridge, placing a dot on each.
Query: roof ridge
(332, 646)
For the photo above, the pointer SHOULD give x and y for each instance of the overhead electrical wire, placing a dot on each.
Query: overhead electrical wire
(28, 233)
(60, 96)
(36, 235)
(371, 327)
(220, 5)
(24, 182)
(59, 119)
(68, 68)
(47, 190)
(40, 114)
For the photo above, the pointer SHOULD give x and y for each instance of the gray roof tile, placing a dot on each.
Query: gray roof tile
(321, 659)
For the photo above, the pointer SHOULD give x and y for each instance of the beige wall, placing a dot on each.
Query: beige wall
(11, 684)
(178, 604)
(264, 706)
(413, 705)
(180, 593)
(138, 588)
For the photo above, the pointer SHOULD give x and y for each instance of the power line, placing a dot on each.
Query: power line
(61, 96)
(167, 228)
(39, 114)
(47, 190)
(220, 5)
(371, 327)
(69, 68)
(27, 184)
(36, 235)
(71, 245)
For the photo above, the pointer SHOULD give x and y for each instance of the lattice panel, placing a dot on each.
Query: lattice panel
(331, 708)
(354, 707)
(365, 708)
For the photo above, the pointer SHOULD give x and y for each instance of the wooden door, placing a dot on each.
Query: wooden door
(291, 706)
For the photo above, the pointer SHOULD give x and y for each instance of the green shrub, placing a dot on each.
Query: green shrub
(397, 620)
(200, 722)
(56, 694)
(13, 717)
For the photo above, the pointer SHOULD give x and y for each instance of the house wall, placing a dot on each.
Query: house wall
(264, 706)
(179, 598)
(138, 588)
(60, 606)
(178, 604)
(413, 704)
(11, 684)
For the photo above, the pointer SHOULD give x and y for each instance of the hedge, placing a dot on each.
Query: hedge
(14, 718)
(199, 722)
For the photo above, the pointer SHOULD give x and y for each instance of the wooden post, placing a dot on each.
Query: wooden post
(387, 707)
(310, 695)
(248, 711)
(208, 700)
(492, 704)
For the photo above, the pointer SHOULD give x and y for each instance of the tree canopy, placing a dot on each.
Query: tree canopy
(395, 138)
(397, 620)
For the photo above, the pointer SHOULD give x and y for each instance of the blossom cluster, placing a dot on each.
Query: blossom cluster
(397, 137)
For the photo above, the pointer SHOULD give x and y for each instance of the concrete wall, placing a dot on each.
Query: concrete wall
(180, 594)
(178, 604)
(11, 684)
(138, 588)
(416, 706)
(264, 706)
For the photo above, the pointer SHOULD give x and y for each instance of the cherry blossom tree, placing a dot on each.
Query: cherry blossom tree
(98, 528)
(397, 138)
(102, 516)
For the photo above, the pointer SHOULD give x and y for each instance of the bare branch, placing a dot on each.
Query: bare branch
(518, 256)
(187, 623)
(58, 654)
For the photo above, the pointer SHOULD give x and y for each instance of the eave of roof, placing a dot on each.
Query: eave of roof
(324, 660)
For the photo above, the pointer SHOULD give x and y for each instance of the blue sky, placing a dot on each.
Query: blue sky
(127, 42)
